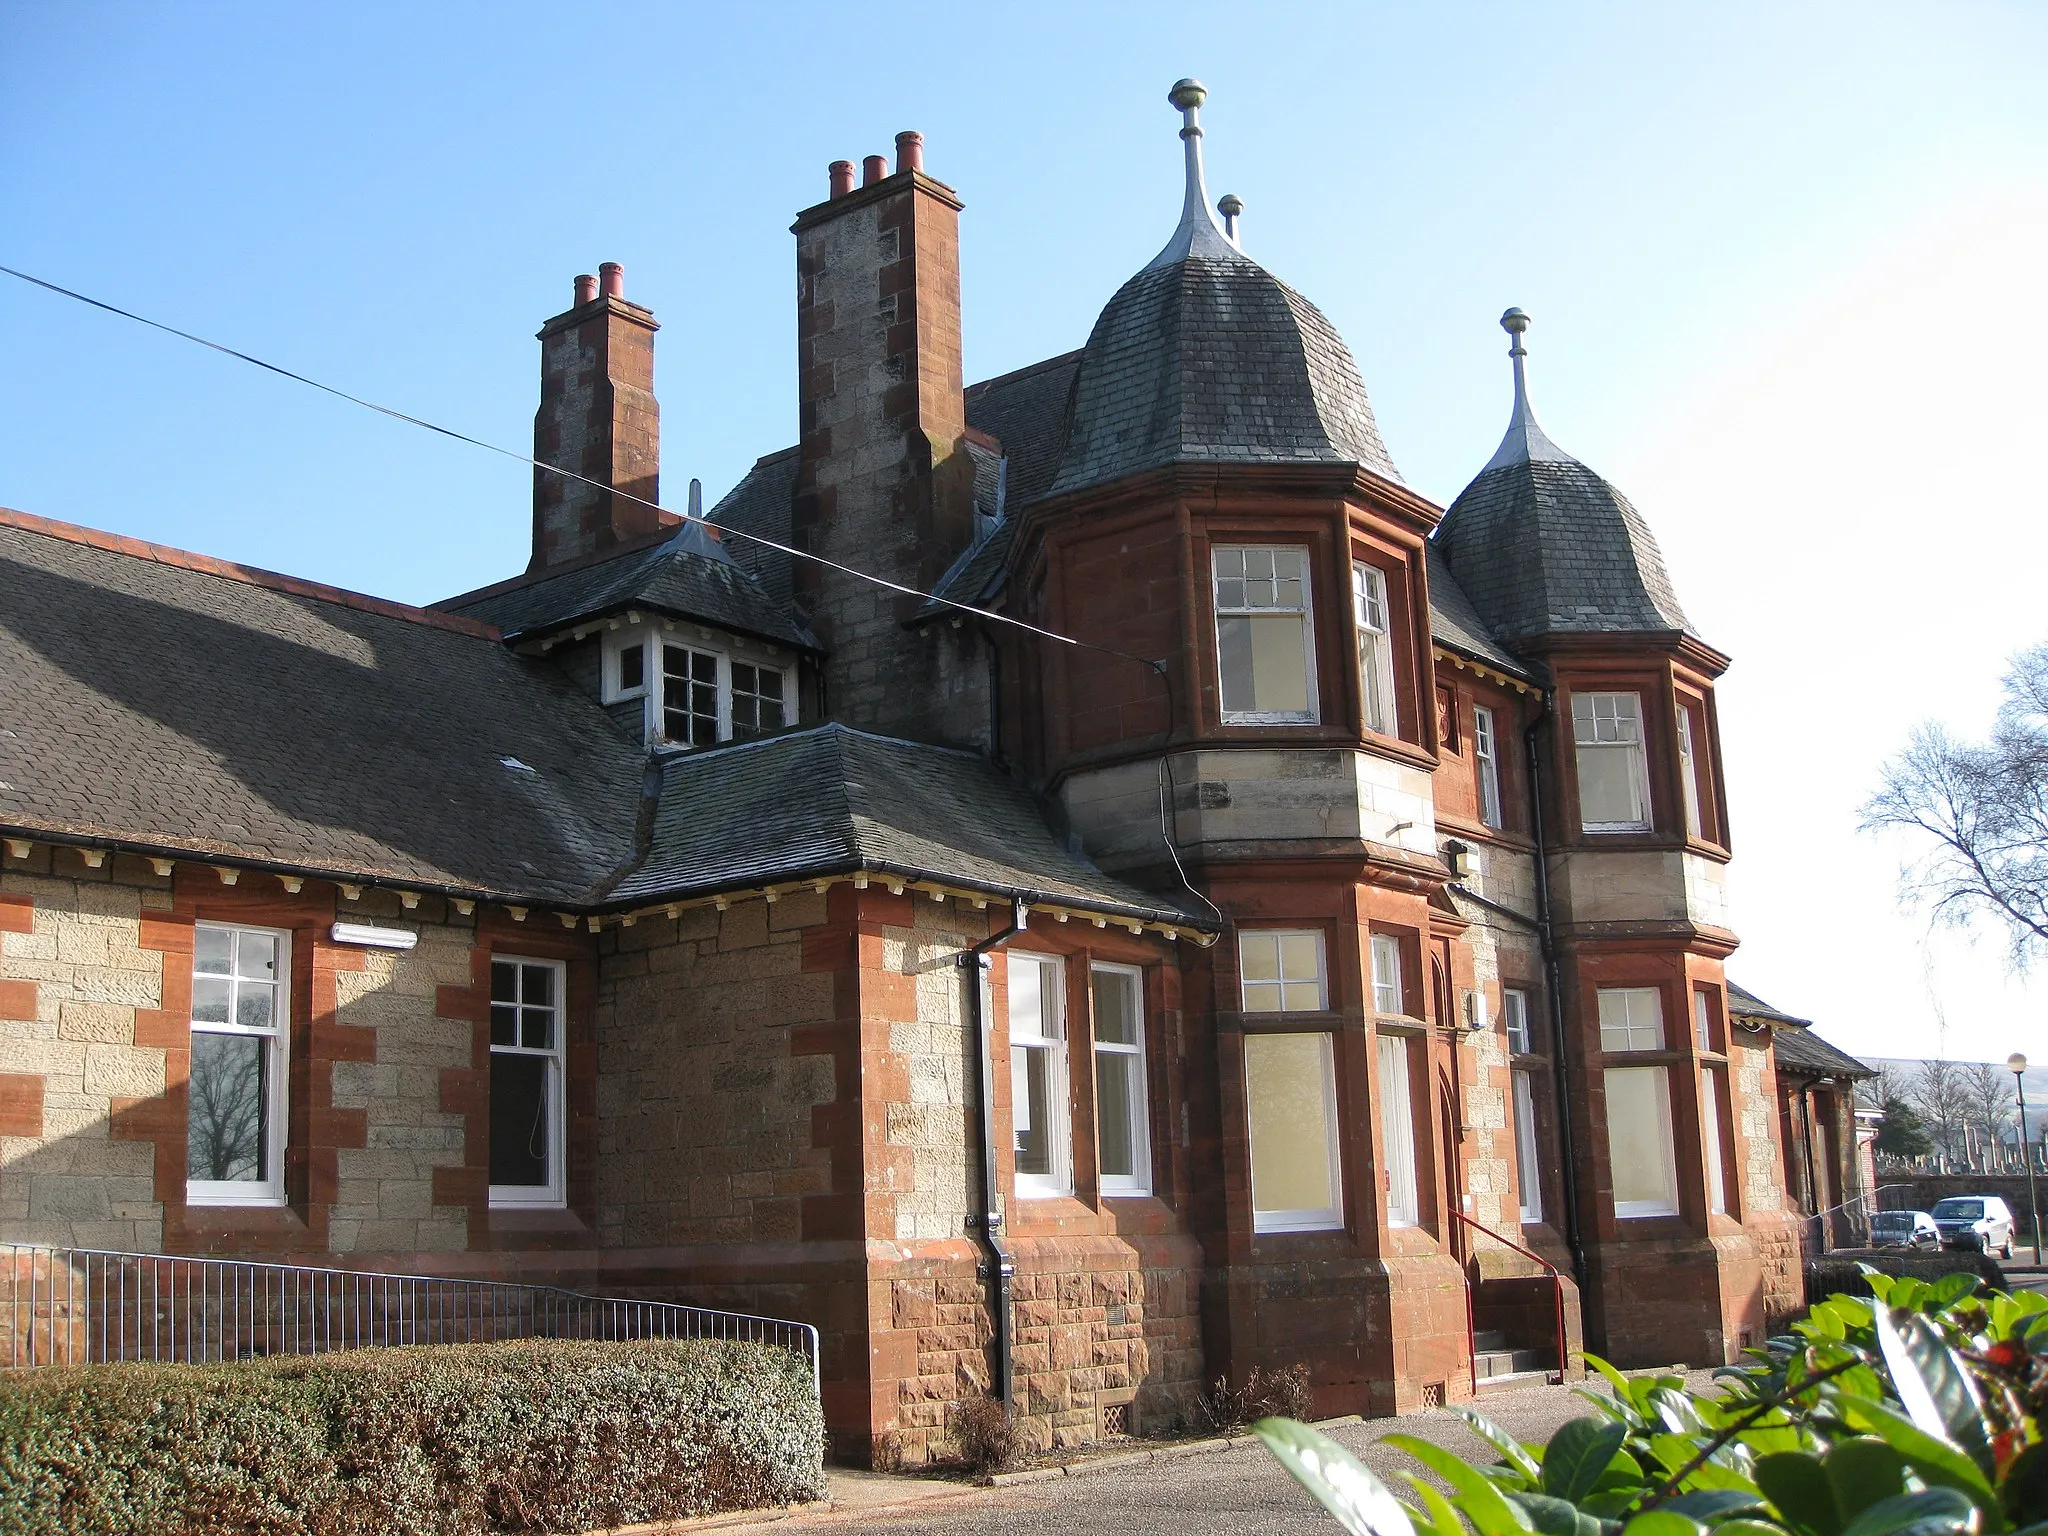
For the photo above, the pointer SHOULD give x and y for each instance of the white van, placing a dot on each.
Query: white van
(1975, 1221)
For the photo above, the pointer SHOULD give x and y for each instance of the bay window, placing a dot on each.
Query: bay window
(1528, 1166)
(1689, 772)
(1631, 1019)
(1712, 1088)
(1264, 641)
(1614, 780)
(1639, 1153)
(1387, 995)
(1290, 1086)
(1122, 1114)
(528, 1145)
(235, 1126)
(1038, 1075)
(1375, 646)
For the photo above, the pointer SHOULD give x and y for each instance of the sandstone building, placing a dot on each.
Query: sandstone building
(1214, 909)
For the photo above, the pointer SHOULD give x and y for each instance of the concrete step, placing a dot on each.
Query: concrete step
(1489, 1341)
(1515, 1380)
(1489, 1364)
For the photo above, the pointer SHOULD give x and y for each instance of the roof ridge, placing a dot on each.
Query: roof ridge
(249, 575)
(1016, 373)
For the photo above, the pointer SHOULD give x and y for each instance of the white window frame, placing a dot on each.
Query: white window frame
(1048, 1034)
(1514, 1014)
(615, 646)
(726, 653)
(1397, 1133)
(269, 1191)
(1703, 1019)
(1139, 1180)
(1633, 1210)
(1380, 705)
(1305, 615)
(1388, 996)
(553, 1195)
(1710, 1133)
(1688, 772)
(1601, 724)
(1247, 938)
(1528, 1161)
(1631, 1019)
(1323, 1219)
(1486, 764)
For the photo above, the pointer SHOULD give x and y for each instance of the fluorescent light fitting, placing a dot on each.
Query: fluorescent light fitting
(375, 938)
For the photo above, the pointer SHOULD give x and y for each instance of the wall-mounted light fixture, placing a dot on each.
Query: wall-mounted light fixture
(374, 938)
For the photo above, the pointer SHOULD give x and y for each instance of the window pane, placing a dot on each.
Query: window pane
(1234, 650)
(1301, 996)
(520, 1134)
(1264, 997)
(228, 1109)
(1116, 1013)
(1528, 1170)
(1639, 1142)
(1259, 956)
(1702, 1020)
(1688, 772)
(1289, 1081)
(1279, 664)
(1515, 1010)
(1301, 957)
(504, 982)
(210, 1000)
(256, 955)
(537, 1028)
(1116, 1084)
(1386, 974)
(632, 667)
(504, 1024)
(1027, 999)
(252, 1005)
(1031, 1101)
(537, 985)
(1710, 1133)
(1397, 1133)
(1608, 781)
(1631, 1019)
(213, 951)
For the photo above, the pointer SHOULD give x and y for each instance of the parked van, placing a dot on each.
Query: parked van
(1975, 1221)
(1904, 1229)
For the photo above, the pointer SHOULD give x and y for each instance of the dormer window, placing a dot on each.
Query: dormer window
(701, 691)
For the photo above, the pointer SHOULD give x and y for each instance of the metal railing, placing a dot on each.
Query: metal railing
(81, 1306)
(1564, 1354)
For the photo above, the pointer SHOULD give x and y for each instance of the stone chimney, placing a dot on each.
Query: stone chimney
(597, 418)
(885, 483)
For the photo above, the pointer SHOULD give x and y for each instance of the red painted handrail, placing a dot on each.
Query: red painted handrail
(1557, 1289)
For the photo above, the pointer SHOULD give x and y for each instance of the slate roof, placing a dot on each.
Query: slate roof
(686, 575)
(1744, 1004)
(1212, 359)
(167, 702)
(1455, 623)
(832, 800)
(1803, 1053)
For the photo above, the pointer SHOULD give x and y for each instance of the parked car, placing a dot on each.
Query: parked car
(1904, 1229)
(1975, 1221)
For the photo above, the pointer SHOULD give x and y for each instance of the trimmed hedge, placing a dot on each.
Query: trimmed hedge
(1838, 1274)
(548, 1435)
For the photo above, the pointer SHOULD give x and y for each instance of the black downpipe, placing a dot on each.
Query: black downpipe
(1553, 974)
(1000, 1269)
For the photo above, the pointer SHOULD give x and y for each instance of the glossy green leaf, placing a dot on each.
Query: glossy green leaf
(1748, 1528)
(1551, 1517)
(1709, 1505)
(1609, 1374)
(1447, 1520)
(1950, 1289)
(1676, 1410)
(1577, 1456)
(1933, 1383)
(1483, 1504)
(1662, 1522)
(1622, 1471)
(1511, 1449)
(1797, 1484)
(1621, 1412)
(1931, 1512)
(1863, 1471)
(1341, 1483)
(1934, 1457)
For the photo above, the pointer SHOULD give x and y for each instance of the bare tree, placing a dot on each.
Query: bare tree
(1937, 1093)
(1887, 1085)
(1977, 816)
(1987, 1090)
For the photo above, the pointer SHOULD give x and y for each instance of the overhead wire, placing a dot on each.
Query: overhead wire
(570, 474)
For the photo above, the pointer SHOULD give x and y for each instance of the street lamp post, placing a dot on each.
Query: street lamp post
(2016, 1064)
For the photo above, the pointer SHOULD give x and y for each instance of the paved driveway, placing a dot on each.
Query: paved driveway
(1228, 1493)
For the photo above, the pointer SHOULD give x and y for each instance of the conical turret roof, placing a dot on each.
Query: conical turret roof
(1544, 546)
(1206, 356)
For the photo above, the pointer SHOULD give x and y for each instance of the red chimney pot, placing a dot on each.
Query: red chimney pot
(611, 278)
(873, 169)
(586, 288)
(909, 151)
(841, 172)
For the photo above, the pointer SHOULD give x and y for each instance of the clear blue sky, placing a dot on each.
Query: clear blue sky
(392, 198)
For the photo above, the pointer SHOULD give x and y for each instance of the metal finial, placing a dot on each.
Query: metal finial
(1525, 440)
(1231, 206)
(1199, 234)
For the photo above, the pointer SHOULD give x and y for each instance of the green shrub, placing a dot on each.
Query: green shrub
(1837, 1275)
(1918, 1412)
(548, 1435)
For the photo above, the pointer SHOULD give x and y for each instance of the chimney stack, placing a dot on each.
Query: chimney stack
(884, 482)
(597, 418)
